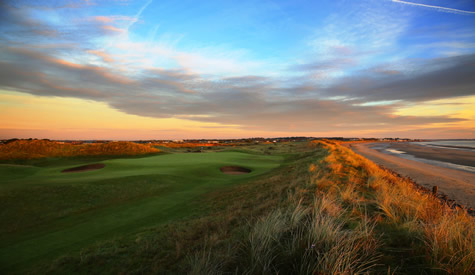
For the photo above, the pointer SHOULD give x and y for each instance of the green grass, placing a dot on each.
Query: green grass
(46, 213)
(306, 208)
(224, 215)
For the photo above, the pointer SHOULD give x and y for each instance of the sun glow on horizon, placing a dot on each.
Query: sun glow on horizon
(459, 107)
(150, 69)
(73, 115)
(26, 115)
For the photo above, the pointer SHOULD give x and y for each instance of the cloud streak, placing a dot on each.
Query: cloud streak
(439, 8)
(138, 14)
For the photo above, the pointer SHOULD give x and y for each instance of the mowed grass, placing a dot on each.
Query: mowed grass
(46, 213)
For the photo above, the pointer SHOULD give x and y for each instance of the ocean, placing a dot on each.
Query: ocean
(463, 145)
(466, 144)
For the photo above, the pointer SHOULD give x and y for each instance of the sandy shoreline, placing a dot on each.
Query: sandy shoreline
(436, 153)
(457, 185)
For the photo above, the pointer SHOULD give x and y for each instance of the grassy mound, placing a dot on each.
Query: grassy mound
(30, 149)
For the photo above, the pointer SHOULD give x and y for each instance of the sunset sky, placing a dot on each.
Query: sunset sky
(155, 69)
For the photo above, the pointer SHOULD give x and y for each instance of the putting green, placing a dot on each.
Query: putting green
(46, 213)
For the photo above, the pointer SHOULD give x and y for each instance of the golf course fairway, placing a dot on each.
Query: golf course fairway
(46, 213)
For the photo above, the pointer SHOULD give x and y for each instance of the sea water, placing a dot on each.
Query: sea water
(466, 144)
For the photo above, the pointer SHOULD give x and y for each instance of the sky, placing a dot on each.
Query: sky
(156, 69)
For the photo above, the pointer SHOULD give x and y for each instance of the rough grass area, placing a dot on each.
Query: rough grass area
(418, 233)
(33, 149)
(325, 210)
(360, 219)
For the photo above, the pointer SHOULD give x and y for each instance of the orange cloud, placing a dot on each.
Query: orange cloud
(110, 28)
(110, 19)
(105, 56)
(103, 72)
(103, 19)
(66, 63)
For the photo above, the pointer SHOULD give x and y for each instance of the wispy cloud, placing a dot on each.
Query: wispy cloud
(438, 8)
(357, 36)
(367, 26)
(138, 14)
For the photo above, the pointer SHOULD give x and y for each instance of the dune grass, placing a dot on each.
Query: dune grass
(362, 219)
(421, 232)
(34, 149)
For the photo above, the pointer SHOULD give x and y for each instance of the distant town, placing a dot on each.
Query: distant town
(227, 141)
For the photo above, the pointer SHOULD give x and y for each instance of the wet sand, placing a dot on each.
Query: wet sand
(457, 185)
(456, 156)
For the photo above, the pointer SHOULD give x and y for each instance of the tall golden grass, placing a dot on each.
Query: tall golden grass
(297, 240)
(447, 234)
(31, 149)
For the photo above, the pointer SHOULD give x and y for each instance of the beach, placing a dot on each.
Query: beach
(419, 162)
(455, 155)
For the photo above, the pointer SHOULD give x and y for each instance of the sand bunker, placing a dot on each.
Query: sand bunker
(84, 168)
(234, 170)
